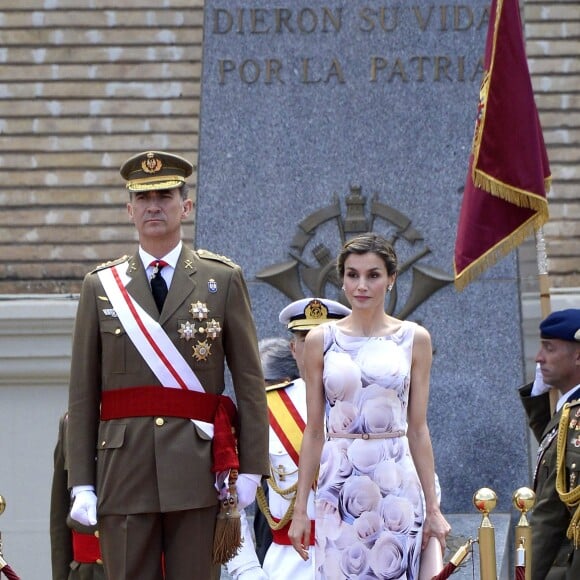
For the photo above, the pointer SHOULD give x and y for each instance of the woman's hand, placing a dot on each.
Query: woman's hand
(299, 534)
(435, 525)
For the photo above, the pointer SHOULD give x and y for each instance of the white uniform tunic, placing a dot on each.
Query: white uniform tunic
(283, 562)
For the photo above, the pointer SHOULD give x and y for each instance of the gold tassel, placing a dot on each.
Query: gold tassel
(227, 539)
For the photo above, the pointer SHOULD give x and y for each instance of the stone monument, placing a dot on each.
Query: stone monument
(320, 120)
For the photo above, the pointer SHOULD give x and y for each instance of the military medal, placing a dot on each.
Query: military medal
(187, 330)
(212, 286)
(199, 310)
(211, 330)
(201, 350)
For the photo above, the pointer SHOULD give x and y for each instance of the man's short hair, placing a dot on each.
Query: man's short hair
(278, 363)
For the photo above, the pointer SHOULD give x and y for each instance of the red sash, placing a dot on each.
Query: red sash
(149, 401)
(281, 536)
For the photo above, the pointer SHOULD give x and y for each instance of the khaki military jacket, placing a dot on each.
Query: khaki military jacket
(553, 554)
(140, 465)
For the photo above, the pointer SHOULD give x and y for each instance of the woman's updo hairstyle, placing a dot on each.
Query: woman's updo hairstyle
(368, 243)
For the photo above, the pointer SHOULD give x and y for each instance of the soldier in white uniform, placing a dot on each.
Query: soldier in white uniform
(287, 411)
(279, 367)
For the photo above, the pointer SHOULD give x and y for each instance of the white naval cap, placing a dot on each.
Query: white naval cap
(307, 313)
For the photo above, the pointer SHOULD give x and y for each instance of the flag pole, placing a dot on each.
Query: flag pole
(544, 285)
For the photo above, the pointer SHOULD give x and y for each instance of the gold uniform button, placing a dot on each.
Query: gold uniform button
(117, 331)
(159, 421)
(96, 533)
(99, 561)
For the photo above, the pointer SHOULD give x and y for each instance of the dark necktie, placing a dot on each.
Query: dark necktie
(158, 285)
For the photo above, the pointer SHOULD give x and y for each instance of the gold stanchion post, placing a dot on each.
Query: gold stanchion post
(524, 499)
(485, 500)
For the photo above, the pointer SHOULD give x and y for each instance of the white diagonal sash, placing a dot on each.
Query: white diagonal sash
(149, 338)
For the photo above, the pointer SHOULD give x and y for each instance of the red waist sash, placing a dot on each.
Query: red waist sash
(281, 536)
(86, 549)
(152, 400)
(149, 401)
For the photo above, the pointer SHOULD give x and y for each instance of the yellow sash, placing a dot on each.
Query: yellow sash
(286, 421)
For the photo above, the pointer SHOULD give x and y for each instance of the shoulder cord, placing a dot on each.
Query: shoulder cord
(572, 498)
(265, 508)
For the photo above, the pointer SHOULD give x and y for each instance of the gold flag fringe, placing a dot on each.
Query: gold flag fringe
(511, 194)
(500, 250)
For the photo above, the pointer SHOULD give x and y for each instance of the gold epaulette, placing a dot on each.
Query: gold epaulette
(277, 386)
(111, 263)
(207, 255)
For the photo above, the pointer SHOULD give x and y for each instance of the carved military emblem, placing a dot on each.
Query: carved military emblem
(151, 164)
(312, 264)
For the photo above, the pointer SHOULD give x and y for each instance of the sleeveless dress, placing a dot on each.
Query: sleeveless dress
(369, 502)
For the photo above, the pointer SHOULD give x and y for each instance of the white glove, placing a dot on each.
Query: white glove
(246, 487)
(539, 387)
(84, 507)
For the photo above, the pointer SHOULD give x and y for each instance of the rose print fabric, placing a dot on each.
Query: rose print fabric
(369, 506)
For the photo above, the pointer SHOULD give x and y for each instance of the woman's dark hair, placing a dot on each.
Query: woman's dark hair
(365, 243)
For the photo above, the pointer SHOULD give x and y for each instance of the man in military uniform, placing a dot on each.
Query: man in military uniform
(287, 412)
(75, 551)
(555, 519)
(153, 334)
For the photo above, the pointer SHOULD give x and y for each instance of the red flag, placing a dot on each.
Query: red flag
(504, 200)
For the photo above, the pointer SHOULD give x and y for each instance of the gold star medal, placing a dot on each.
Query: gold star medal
(201, 350)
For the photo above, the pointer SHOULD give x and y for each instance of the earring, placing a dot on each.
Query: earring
(389, 287)
(343, 287)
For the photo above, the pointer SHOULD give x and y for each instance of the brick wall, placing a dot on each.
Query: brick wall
(85, 84)
(81, 89)
(552, 30)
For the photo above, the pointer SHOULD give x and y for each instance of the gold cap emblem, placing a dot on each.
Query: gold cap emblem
(151, 164)
(315, 310)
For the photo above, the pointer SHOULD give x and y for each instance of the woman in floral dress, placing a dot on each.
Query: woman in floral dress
(367, 376)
